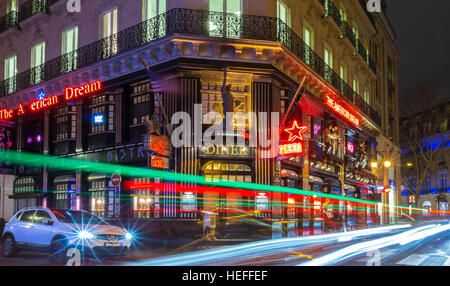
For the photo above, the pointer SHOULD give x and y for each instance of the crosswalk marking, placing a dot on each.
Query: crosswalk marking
(384, 254)
(413, 259)
(447, 263)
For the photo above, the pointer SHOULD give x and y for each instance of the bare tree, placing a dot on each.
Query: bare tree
(422, 137)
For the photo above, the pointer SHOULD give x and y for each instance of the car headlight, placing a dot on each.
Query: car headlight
(128, 236)
(84, 234)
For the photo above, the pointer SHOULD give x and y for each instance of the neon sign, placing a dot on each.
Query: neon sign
(291, 149)
(90, 88)
(350, 147)
(6, 114)
(44, 103)
(98, 119)
(295, 134)
(317, 128)
(339, 109)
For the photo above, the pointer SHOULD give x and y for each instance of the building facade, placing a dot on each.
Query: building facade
(435, 188)
(344, 55)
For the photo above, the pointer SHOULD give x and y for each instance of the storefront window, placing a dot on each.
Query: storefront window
(212, 102)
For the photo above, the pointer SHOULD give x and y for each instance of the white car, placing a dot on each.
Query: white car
(57, 230)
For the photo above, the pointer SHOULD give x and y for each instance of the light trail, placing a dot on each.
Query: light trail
(364, 247)
(262, 248)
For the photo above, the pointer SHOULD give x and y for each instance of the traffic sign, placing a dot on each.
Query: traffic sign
(116, 179)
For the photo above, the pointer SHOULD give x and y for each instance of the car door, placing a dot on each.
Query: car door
(42, 233)
(24, 225)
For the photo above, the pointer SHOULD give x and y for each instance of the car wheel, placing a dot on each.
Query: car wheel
(59, 250)
(9, 247)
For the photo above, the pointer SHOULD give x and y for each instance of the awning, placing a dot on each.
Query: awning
(95, 177)
(314, 179)
(289, 173)
(64, 179)
(349, 187)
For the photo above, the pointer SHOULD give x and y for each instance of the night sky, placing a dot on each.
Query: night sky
(423, 41)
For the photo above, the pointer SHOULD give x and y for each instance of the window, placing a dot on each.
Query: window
(343, 14)
(37, 61)
(356, 84)
(308, 38)
(69, 49)
(109, 33)
(229, 26)
(66, 123)
(151, 9)
(443, 180)
(356, 33)
(27, 216)
(328, 57)
(10, 73)
(12, 6)
(367, 96)
(102, 114)
(283, 12)
(40, 216)
(343, 72)
(427, 183)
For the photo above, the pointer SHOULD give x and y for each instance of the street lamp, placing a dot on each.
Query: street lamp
(387, 164)
(374, 165)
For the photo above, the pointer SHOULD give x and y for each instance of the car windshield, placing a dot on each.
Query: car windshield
(77, 217)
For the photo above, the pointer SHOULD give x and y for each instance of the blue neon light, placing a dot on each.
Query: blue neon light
(41, 95)
(98, 119)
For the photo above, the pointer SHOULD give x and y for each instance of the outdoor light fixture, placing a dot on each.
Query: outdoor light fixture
(387, 164)
(374, 164)
(409, 164)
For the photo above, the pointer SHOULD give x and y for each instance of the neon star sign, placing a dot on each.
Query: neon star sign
(295, 134)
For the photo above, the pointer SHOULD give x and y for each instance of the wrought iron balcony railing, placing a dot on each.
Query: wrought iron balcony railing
(331, 10)
(10, 20)
(191, 22)
(32, 7)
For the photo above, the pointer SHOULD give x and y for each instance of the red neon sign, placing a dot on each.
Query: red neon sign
(44, 103)
(76, 92)
(339, 109)
(6, 114)
(295, 133)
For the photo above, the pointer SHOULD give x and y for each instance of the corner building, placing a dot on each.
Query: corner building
(346, 54)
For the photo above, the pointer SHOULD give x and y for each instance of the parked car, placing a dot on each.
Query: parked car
(57, 230)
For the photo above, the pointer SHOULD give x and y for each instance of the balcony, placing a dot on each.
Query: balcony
(333, 12)
(32, 7)
(10, 20)
(189, 22)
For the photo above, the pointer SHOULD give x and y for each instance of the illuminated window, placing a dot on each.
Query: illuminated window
(283, 12)
(69, 49)
(343, 14)
(328, 57)
(367, 96)
(10, 74)
(231, 24)
(12, 6)
(102, 114)
(37, 61)
(109, 33)
(356, 84)
(155, 26)
(308, 38)
(212, 102)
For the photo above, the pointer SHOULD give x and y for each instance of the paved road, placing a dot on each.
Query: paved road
(41, 259)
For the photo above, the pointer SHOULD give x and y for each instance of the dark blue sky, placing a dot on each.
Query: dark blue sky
(423, 40)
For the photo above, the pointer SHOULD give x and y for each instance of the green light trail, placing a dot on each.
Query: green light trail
(68, 164)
